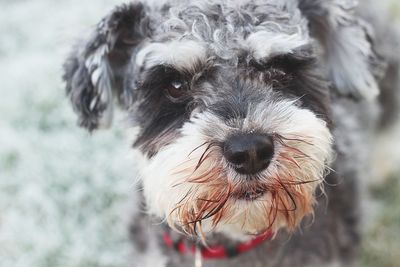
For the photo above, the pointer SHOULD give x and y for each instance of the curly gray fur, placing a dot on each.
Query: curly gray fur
(348, 61)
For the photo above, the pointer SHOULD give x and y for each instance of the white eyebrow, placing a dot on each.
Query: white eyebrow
(183, 55)
(264, 44)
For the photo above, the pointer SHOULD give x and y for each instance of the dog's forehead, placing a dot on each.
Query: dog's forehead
(184, 54)
(196, 32)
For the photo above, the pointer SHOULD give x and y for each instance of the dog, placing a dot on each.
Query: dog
(253, 124)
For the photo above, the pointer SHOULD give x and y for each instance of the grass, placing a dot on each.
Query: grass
(382, 243)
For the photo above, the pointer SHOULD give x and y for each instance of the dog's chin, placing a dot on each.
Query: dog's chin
(242, 219)
(241, 213)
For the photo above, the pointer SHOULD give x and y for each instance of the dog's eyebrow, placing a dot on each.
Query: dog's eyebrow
(264, 44)
(183, 55)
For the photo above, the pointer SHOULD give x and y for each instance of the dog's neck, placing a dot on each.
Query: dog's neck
(229, 245)
(216, 246)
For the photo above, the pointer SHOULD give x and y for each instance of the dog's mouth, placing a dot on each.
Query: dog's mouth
(249, 195)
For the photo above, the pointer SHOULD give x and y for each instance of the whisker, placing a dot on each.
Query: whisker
(290, 159)
(281, 137)
(197, 148)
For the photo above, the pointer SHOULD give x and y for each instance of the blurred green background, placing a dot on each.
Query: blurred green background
(64, 193)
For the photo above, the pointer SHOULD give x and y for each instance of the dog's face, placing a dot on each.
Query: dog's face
(231, 109)
(232, 143)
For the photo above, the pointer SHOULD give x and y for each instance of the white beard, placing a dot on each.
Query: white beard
(174, 182)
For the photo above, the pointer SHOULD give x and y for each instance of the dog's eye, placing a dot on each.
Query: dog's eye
(177, 90)
(282, 64)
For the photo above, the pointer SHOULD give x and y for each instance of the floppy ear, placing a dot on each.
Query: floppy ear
(95, 70)
(347, 43)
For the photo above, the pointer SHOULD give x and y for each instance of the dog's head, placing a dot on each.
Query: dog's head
(230, 101)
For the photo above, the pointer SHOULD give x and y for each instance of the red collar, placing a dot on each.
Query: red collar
(217, 252)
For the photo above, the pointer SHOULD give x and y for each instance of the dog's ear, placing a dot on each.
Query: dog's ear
(347, 43)
(95, 70)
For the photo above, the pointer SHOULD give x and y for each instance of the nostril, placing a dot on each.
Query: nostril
(264, 153)
(265, 150)
(236, 157)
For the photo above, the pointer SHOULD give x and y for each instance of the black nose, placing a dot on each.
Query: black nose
(249, 153)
